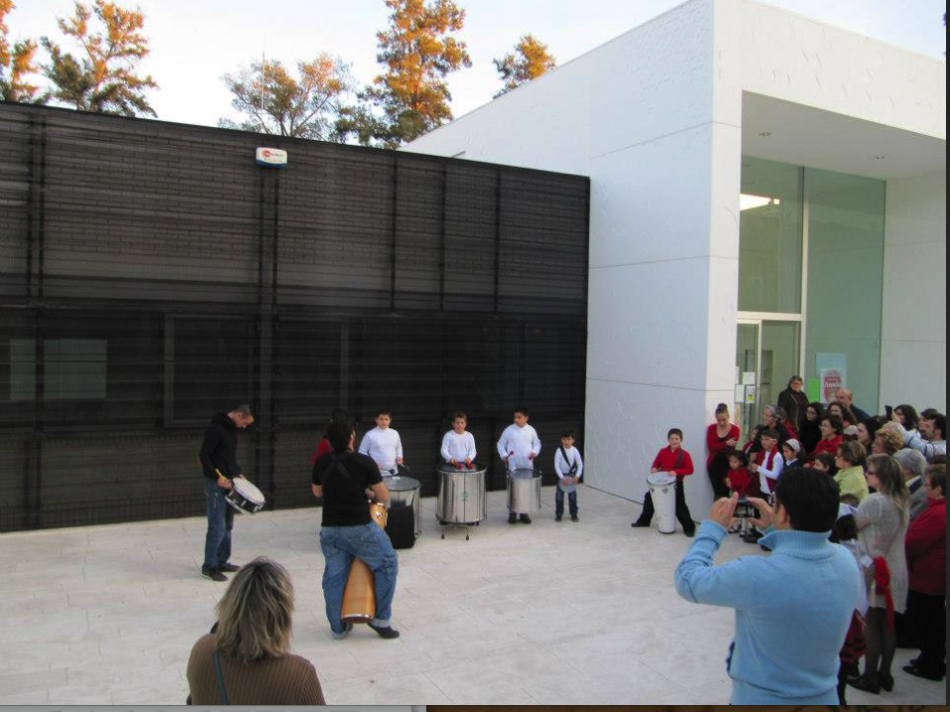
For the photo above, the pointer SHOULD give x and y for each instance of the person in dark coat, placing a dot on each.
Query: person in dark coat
(794, 402)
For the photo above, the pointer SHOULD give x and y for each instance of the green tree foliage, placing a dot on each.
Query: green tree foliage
(103, 77)
(529, 61)
(419, 49)
(273, 101)
(16, 64)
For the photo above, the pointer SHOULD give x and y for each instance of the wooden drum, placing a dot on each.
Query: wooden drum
(359, 597)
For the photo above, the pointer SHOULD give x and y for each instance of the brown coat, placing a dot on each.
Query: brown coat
(289, 680)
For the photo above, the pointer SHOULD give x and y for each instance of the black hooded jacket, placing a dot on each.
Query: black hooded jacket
(219, 449)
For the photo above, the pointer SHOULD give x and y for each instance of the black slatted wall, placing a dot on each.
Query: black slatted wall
(152, 274)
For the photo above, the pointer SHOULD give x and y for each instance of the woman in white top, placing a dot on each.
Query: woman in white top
(882, 521)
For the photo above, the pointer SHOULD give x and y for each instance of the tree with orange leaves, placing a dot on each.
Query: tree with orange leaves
(103, 78)
(530, 60)
(419, 50)
(16, 64)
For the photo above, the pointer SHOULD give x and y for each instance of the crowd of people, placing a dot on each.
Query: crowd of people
(851, 509)
(887, 474)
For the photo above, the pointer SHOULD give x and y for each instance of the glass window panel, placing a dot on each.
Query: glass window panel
(846, 277)
(770, 238)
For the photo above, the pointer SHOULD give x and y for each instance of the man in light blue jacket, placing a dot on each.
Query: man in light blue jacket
(793, 607)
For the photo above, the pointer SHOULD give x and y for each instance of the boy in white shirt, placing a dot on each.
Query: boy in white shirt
(569, 467)
(518, 446)
(383, 444)
(458, 446)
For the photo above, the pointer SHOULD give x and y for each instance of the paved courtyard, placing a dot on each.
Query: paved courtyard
(542, 614)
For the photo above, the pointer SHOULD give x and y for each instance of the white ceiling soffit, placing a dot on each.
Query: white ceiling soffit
(778, 130)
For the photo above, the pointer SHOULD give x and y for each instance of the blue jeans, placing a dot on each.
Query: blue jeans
(220, 523)
(369, 544)
(559, 502)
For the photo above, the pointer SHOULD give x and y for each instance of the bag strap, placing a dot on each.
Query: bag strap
(217, 671)
(337, 464)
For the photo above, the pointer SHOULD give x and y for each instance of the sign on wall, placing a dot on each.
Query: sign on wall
(832, 373)
(271, 157)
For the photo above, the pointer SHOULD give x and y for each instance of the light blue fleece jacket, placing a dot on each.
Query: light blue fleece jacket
(793, 609)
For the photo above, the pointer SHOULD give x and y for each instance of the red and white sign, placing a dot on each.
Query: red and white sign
(271, 157)
(831, 380)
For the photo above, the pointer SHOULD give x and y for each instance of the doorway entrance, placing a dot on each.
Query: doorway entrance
(768, 354)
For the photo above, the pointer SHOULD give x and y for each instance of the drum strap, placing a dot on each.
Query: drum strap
(567, 461)
(217, 671)
(679, 460)
(338, 462)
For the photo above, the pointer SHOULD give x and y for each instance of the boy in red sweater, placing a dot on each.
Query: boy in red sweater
(675, 460)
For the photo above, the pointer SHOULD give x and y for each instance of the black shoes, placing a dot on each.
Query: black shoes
(512, 518)
(228, 568)
(386, 633)
(862, 683)
(574, 518)
(525, 519)
(917, 672)
(640, 525)
(213, 574)
(558, 518)
(691, 533)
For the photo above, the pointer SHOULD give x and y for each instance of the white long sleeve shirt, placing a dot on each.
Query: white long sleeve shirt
(778, 464)
(929, 448)
(458, 447)
(563, 467)
(384, 446)
(517, 444)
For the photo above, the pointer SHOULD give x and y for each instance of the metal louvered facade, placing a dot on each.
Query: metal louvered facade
(152, 274)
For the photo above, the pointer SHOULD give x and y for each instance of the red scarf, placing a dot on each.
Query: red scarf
(882, 585)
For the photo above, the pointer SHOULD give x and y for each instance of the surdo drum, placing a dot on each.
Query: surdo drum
(359, 596)
(524, 491)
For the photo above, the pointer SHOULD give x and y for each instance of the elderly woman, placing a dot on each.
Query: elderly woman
(913, 467)
(832, 435)
(246, 659)
(887, 441)
(794, 402)
(926, 548)
(775, 418)
(882, 521)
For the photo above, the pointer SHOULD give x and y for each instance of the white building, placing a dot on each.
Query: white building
(837, 145)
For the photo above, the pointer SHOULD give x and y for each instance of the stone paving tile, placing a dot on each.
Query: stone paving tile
(542, 614)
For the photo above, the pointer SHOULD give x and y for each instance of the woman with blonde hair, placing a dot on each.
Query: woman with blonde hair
(245, 660)
(887, 441)
(882, 521)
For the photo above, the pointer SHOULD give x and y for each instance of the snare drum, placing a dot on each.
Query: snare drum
(245, 497)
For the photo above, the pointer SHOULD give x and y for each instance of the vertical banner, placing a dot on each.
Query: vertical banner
(832, 374)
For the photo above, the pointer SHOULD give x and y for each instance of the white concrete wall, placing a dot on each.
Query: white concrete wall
(914, 332)
(643, 118)
(797, 59)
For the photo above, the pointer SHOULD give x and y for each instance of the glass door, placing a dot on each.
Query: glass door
(748, 348)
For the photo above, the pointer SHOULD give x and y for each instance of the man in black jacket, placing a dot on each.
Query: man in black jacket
(219, 462)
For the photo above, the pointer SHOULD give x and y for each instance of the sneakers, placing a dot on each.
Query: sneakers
(228, 568)
(386, 633)
(213, 574)
(526, 519)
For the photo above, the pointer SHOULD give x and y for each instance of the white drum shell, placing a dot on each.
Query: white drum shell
(663, 492)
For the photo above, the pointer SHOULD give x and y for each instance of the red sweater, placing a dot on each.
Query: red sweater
(926, 547)
(322, 449)
(714, 445)
(743, 482)
(828, 446)
(666, 460)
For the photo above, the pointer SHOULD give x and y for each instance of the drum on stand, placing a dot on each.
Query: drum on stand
(359, 596)
(524, 491)
(245, 497)
(663, 494)
(463, 497)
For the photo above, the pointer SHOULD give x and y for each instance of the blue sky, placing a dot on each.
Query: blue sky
(194, 42)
